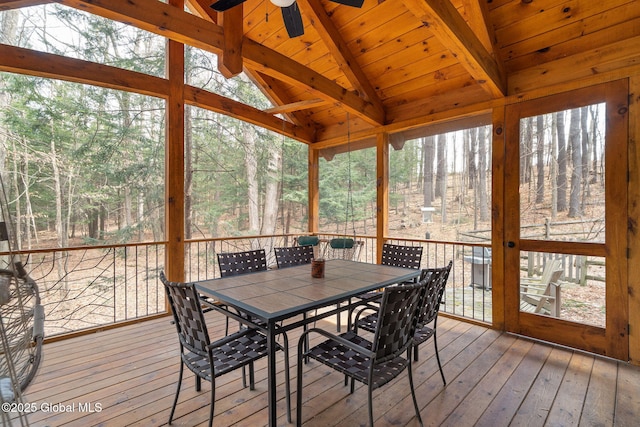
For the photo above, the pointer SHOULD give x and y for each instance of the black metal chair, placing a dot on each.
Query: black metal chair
(234, 263)
(436, 281)
(375, 362)
(396, 256)
(293, 255)
(209, 360)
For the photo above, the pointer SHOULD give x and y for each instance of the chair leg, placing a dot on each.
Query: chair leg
(370, 397)
(413, 394)
(175, 400)
(435, 344)
(198, 383)
(213, 401)
(252, 377)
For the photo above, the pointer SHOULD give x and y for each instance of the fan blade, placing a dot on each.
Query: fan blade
(222, 5)
(293, 20)
(352, 3)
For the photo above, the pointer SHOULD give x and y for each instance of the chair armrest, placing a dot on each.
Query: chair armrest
(334, 337)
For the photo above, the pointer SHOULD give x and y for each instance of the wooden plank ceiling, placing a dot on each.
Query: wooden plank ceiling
(393, 63)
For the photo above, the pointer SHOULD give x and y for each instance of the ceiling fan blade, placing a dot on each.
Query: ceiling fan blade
(293, 20)
(352, 3)
(222, 5)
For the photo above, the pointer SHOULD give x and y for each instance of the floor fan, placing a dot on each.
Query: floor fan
(21, 324)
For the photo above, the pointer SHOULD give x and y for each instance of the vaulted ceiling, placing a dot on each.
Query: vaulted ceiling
(394, 64)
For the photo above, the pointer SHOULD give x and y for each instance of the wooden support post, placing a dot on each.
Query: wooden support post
(314, 189)
(174, 161)
(382, 189)
(634, 218)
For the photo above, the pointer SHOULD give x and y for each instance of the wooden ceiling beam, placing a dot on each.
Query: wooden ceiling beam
(338, 48)
(454, 33)
(41, 64)
(230, 59)
(164, 20)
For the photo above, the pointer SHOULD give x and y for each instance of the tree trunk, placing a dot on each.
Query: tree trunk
(427, 175)
(441, 166)
(526, 148)
(562, 163)
(272, 192)
(470, 137)
(441, 176)
(553, 168)
(57, 185)
(586, 147)
(251, 164)
(483, 199)
(540, 159)
(576, 163)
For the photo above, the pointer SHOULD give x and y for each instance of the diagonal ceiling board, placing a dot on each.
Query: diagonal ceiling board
(278, 95)
(334, 41)
(172, 22)
(452, 30)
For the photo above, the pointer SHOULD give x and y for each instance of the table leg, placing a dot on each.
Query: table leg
(271, 373)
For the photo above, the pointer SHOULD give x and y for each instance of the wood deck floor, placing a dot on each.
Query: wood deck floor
(128, 376)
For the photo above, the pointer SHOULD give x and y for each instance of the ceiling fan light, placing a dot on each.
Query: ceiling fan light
(283, 3)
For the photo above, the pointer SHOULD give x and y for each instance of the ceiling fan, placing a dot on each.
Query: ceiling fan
(290, 12)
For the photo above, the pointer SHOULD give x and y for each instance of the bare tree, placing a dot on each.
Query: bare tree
(576, 163)
(540, 159)
(561, 180)
(483, 153)
(427, 175)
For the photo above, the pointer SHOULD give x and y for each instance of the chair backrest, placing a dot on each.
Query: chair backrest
(293, 255)
(552, 271)
(436, 279)
(234, 263)
(397, 320)
(401, 256)
(187, 313)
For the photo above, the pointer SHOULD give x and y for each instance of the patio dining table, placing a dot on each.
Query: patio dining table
(270, 297)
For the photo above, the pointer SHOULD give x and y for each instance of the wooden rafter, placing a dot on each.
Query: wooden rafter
(334, 41)
(184, 27)
(454, 33)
